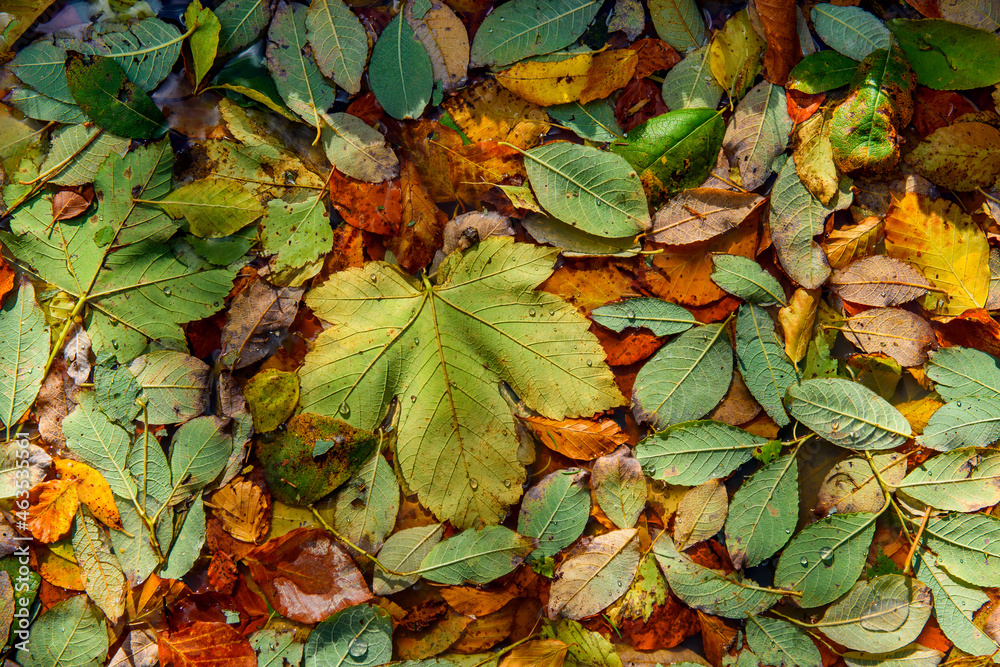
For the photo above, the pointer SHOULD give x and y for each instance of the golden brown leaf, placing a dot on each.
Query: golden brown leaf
(610, 71)
(68, 204)
(445, 39)
(471, 601)
(580, 439)
(53, 504)
(485, 632)
(243, 509)
(851, 243)
(777, 17)
(489, 112)
(206, 644)
(537, 653)
(548, 83)
(589, 284)
(797, 320)
(93, 491)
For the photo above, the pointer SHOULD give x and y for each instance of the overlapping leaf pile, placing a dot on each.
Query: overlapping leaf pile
(454, 332)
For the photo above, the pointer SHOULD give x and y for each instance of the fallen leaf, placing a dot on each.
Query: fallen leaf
(610, 71)
(205, 644)
(489, 112)
(53, 506)
(537, 653)
(92, 490)
(580, 439)
(243, 508)
(373, 207)
(67, 204)
(550, 82)
(778, 20)
(699, 214)
(422, 226)
(895, 332)
(853, 242)
(878, 281)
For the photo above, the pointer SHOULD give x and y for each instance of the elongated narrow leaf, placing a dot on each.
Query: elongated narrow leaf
(103, 92)
(967, 546)
(764, 512)
(476, 556)
(24, 347)
(555, 511)
(964, 480)
(678, 23)
(298, 79)
(847, 414)
(758, 133)
(199, 451)
(913, 655)
(681, 382)
(967, 422)
(880, 615)
(780, 643)
(213, 207)
(850, 30)
(101, 573)
(401, 75)
(708, 590)
(694, 452)
(958, 372)
(186, 547)
(594, 577)
(743, 277)
(661, 317)
(826, 558)
(402, 552)
(523, 28)
(338, 41)
(590, 189)
(766, 369)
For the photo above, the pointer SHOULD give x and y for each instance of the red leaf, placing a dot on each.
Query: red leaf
(203, 644)
(802, 105)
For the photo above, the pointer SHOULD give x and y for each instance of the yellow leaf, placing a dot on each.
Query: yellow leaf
(611, 70)
(797, 320)
(488, 112)
(242, 508)
(548, 83)
(93, 491)
(947, 246)
(735, 55)
(538, 653)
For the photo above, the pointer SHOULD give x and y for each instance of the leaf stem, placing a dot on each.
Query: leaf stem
(908, 568)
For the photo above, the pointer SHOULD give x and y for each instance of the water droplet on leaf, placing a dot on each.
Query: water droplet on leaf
(804, 562)
(474, 484)
(358, 647)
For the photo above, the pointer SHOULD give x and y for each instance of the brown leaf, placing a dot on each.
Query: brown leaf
(655, 55)
(850, 243)
(537, 653)
(92, 489)
(68, 204)
(669, 625)
(373, 207)
(53, 504)
(738, 406)
(54, 403)
(973, 328)
(895, 332)
(205, 644)
(878, 281)
(610, 71)
(421, 233)
(485, 632)
(470, 601)
(414, 642)
(457, 234)
(258, 316)
(580, 439)
(589, 284)
(243, 508)
(778, 19)
(489, 112)
(699, 214)
(446, 41)
(627, 347)
(306, 576)
(639, 102)
(222, 573)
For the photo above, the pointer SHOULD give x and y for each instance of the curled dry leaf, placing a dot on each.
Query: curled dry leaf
(879, 281)
(894, 332)
(457, 234)
(699, 214)
(243, 508)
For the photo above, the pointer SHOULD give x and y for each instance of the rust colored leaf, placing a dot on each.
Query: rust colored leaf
(6, 278)
(655, 55)
(895, 332)
(779, 22)
(372, 207)
(206, 644)
(627, 347)
(421, 233)
(243, 508)
(669, 625)
(580, 439)
(851, 243)
(610, 71)
(53, 504)
(485, 632)
(416, 639)
(934, 109)
(258, 316)
(222, 573)
(973, 328)
(589, 284)
(92, 490)
(68, 204)
(801, 106)
(306, 576)
(639, 102)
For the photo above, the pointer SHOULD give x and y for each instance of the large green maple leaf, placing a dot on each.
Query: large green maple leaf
(443, 349)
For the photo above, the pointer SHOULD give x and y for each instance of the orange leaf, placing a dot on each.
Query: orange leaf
(93, 491)
(627, 347)
(934, 109)
(801, 106)
(589, 284)
(68, 204)
(59, 571)
(206, 644)
(485, 632)
(243, 508)
(611, 70)
(581, 439)
(53, 504)
(474, 602)
(421, 233)
(6, 278)
(853, 242)
(973, 328)
(373, 207)
(777, 17)
(306, 576)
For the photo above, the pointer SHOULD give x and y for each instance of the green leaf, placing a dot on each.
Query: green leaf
(850, 30)
(242, 23)
(132, 545)
(682, 380)
(439, 338)
(678, 23)
(967, 422)
(77, 152)
(146, 49)
(24, 348)
(595, 576)
(826, 558)
(764, 511)
(795, 217)
(822, 71)
(690, 85)
(476, 556)
(523, 28)
(588, 188)
(150, 472)
(692, 453)
(174, 384)
(213, 207)
(744, 278)
(573, 241)
(761, 359)
(758, 133)
(140, 175)
(555, 511)
(298, 235)
(103, 92)
(299, 81)
(401, 75)
(365, 507)
(661, 317)
(619, 487)
(708, 590)
(187, 545)
(946, 55)
(357, 149)
(780, 643)
(959, 372)
(878, 616)
(913, 655)
(955, 603)
(964, 480)
(204, 41)
(847, 414)
(402, 552)
(593, 120)
(199, 451)
(359, 636)
(102, 575)
(100, 443)
(41, 107)
(967, 546)
(42, 66)
(338, 41)
(673, 151)
(71, 633)
(586, 647)
(276, 648)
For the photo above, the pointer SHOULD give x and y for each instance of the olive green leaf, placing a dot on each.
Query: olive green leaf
(24, 348)
(72, 633)
(338, 41)
(661, 317)
(523, 28)
(476, 556)
(555, 511)
(847, 414)
(101, 88)
(694, 452)
(401, 75)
